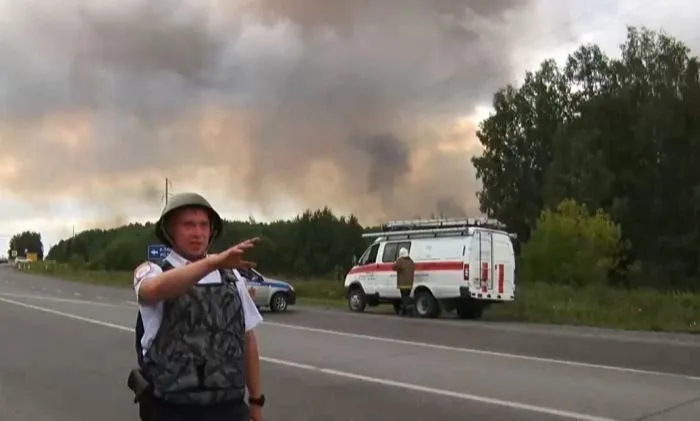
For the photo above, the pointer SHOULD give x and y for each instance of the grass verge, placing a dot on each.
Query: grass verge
(537, 303)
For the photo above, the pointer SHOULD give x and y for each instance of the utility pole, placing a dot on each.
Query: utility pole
(167, 193)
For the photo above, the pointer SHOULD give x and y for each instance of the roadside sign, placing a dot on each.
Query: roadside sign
(14, 253)
(157, 252)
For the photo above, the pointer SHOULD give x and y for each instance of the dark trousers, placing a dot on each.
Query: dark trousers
(406, 301)
(152, 409)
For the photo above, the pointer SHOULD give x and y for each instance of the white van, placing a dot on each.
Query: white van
(461, 264)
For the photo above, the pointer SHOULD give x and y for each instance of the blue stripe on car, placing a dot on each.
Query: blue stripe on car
(274, 285)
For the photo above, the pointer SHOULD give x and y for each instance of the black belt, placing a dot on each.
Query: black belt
(152, 408)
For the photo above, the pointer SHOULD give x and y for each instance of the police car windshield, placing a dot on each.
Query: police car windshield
(250, 274)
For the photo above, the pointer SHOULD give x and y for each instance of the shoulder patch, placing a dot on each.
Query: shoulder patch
(142, 270)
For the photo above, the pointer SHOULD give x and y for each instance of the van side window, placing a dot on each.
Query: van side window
(391, 250)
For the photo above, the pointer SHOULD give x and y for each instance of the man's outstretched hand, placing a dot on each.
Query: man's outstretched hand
(232, 257)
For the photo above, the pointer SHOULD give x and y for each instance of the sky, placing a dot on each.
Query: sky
(269, 107)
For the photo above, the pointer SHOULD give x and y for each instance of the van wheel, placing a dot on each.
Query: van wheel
(357, 301)
(472, 310)
(426, 305)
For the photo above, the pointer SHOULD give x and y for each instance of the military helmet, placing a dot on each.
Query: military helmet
(186, 200)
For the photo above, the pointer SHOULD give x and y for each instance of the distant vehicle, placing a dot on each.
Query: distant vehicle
(272, 293)
(461, 264)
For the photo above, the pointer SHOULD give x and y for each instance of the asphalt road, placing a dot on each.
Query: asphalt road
(66, 348)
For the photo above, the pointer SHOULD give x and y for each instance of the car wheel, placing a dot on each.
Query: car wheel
(357, 300)
(278, 302)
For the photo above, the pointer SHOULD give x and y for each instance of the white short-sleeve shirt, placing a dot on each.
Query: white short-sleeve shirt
(152, 313)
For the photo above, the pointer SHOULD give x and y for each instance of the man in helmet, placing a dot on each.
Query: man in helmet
(196, 347)
(405, 272)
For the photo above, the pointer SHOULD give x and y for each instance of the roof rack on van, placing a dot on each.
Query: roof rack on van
(413, 224)
(434, 226)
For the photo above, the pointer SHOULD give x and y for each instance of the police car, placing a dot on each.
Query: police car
(272, 293)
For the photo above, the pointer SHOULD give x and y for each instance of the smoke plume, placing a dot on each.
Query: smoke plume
(356, 104)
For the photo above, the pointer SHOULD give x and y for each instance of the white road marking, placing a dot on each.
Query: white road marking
(67, 315)
(441, 392)
(359, 377)
(479, 351)
(59, 300)
(432, 346)
(607, 334)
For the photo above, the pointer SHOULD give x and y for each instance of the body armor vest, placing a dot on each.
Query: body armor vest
(198, 354)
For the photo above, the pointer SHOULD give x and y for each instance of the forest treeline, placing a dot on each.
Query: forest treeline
(595, 164)
(314, 244)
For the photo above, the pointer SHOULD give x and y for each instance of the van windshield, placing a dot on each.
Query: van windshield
(363, 259)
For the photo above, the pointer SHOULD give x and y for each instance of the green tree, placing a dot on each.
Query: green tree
(634, 150)
(621, 135)
(580, 163)
(517, 141)
(26, 242)
(571, 246)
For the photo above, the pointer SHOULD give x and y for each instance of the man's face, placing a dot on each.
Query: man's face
(190, 231)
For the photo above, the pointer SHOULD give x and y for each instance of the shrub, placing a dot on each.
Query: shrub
(570, 245)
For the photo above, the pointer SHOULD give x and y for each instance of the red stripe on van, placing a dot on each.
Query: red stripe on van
(484, 276)
(501, 278)
(420, 266)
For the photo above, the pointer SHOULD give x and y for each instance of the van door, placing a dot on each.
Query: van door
(387, 283)
(481, 266)
(367, 269)
(504, 260)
